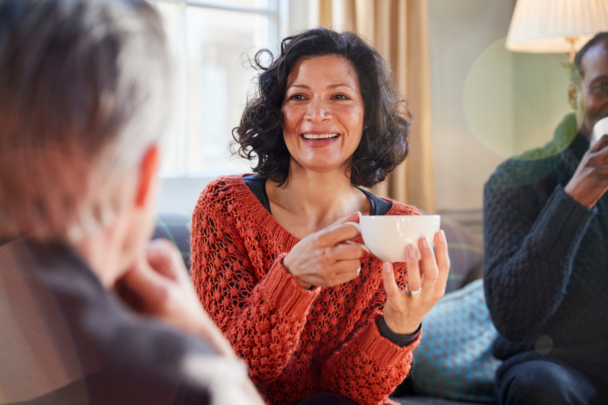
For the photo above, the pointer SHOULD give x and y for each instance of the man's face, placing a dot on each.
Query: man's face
(595, 87)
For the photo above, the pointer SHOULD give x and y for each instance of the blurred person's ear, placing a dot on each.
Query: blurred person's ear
(138, 220)
(147, 179)
(573, 96)
(141, 216)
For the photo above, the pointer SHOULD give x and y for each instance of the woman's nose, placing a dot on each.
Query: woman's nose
(318, 110)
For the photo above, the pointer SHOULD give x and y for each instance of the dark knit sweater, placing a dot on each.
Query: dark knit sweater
(546, 258)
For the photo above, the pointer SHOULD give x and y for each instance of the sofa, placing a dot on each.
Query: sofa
(466, 257)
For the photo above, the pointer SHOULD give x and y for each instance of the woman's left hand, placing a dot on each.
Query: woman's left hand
(402, 313)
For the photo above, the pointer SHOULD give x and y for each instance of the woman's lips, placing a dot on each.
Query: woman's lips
(319, 140)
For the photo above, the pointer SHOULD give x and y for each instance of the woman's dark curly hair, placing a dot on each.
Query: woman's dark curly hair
(383, 144)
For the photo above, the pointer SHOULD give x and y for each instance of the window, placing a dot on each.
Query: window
(210, 42)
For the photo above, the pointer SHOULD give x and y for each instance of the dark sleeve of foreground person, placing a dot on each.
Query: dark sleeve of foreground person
(531, 235)
(67, 340)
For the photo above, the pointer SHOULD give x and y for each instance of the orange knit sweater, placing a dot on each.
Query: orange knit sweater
(296, 342)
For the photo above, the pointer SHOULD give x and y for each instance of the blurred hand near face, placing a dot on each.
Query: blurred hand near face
(323, 260)
(590, 180)
(158, 285)
(403, 314)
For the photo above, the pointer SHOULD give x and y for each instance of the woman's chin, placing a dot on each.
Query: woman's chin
(324, 166)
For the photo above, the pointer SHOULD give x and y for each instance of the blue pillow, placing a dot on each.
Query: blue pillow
(454, 360)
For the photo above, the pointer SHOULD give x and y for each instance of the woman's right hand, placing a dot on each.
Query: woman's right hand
(323, 260)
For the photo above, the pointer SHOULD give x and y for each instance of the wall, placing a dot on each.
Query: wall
(460, 31)
(540, 98)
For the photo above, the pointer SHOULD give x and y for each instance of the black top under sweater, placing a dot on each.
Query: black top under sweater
(257, 185)
(546, 258)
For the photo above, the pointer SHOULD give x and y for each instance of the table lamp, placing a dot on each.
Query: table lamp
(556, 26)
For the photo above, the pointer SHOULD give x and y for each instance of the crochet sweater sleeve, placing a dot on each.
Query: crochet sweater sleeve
(369, 367)
(531, 236)
(262, 317)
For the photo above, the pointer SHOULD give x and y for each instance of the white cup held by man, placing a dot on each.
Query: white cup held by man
(599, 129)
(387, 236)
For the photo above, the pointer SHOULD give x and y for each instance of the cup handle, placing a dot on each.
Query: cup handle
(350, 242)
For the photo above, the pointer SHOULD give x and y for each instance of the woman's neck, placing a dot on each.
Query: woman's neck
(310, 200)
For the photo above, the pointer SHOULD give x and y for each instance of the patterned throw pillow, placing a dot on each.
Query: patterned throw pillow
(454, 360)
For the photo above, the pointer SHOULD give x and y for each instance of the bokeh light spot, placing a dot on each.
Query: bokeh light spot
(514, 101)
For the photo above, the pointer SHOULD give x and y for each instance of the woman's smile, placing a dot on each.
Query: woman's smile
(320, 138)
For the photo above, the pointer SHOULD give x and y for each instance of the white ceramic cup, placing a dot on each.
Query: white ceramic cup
(387, 236)
(599, 129)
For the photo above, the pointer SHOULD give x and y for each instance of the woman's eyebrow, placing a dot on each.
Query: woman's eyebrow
(333, 86)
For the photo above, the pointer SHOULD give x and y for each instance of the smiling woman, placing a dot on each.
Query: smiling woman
(360, 73)
(314, 317)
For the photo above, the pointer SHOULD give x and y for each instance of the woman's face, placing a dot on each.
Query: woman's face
(323, 113)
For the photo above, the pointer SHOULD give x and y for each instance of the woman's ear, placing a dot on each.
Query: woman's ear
(573, 93)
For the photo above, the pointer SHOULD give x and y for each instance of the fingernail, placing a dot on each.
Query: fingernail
(359, 270)
(411, 252)
(385, 267)
(442, 236)
(425, 243)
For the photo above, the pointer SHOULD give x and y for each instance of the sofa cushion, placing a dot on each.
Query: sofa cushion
(416, 400)
(466, 255)
(454, 360)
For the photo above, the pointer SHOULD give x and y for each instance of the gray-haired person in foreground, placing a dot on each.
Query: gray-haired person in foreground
(84, 92)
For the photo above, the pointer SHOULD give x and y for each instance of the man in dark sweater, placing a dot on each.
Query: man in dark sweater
(546, 254)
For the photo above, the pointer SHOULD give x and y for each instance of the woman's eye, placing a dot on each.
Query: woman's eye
(341, 97)
(297, 97)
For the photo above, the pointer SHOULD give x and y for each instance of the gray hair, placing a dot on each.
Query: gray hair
(84, 91)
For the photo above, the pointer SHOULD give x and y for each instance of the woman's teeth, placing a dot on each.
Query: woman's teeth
(321, 136)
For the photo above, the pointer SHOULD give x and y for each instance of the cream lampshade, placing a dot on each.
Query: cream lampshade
(556, 26)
